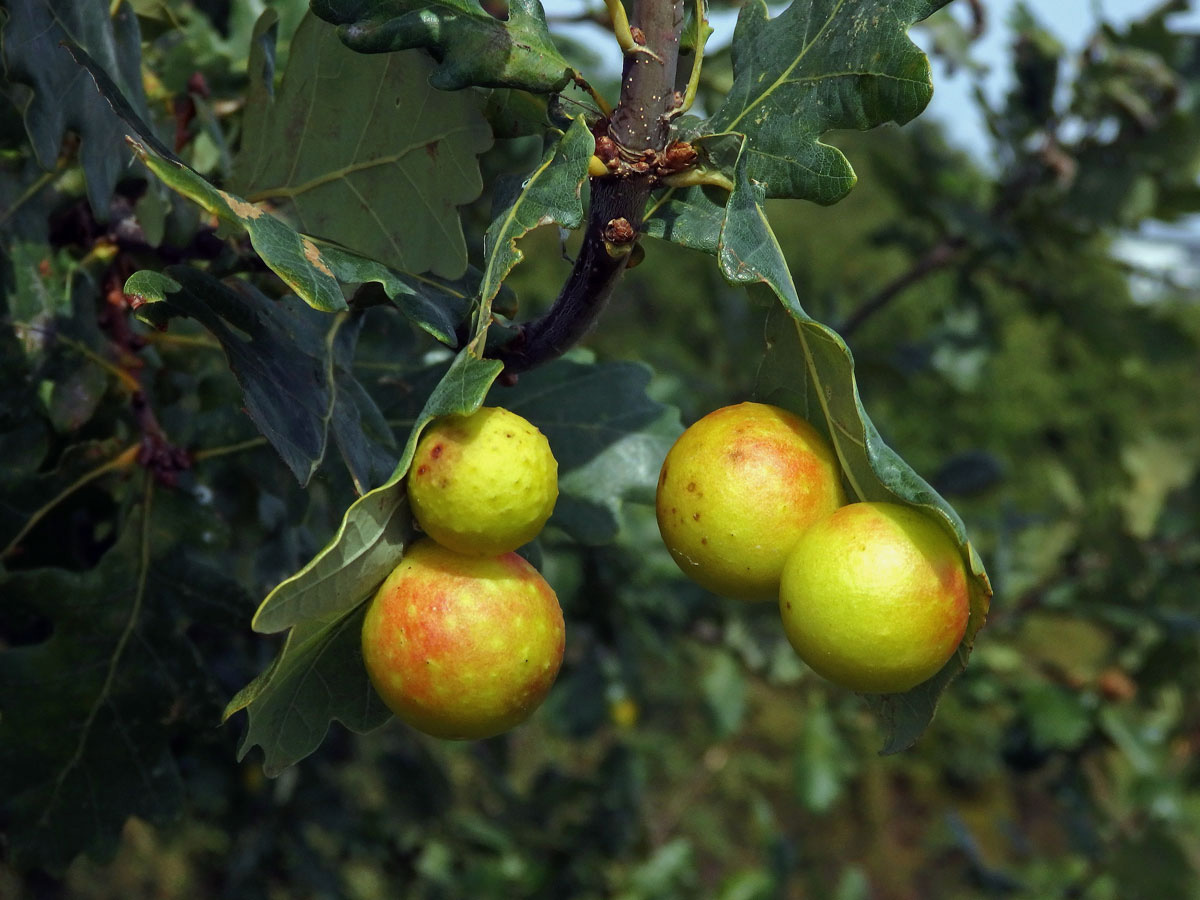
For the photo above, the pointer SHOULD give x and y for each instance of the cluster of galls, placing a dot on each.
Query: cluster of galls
(612, 158)
(465, 638)
(873, 595)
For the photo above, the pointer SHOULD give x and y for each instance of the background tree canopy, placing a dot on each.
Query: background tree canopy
(248, 250)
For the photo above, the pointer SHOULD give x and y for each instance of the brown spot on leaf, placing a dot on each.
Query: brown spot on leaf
(691, 487)
(436, 451)
(313, 255)
(240, 208)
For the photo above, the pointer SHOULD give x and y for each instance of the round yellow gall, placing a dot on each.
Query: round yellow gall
(737, 490)
(484, 483)
(875, 597)
(462, 647)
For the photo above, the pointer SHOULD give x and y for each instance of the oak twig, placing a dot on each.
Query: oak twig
(640, 122)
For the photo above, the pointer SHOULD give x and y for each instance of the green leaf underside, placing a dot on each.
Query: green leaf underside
(361, 150)
(472, 47)
(549, 195)
(693, 217)
(290, 362)
(320, 603)
(317, 678)
(817, 66)
(61, 101)
(370, 541)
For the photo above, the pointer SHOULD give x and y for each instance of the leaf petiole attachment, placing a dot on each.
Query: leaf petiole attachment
(702, 32)
(602, 104)
(625, 35)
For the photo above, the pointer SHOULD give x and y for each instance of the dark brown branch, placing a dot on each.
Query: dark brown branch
(588, 287)
(936, 258)
(639, 122)
(1011, 195)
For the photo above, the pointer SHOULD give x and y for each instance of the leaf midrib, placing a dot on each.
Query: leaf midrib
(791, 68)
(104, 695)
(292, 191)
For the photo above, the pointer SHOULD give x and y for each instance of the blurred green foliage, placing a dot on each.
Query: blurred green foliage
(1014, 342)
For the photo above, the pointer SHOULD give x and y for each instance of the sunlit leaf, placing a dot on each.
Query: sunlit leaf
(315, 270)
(815, 67)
